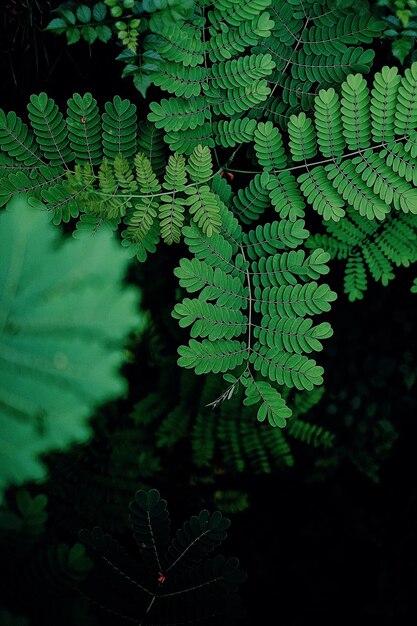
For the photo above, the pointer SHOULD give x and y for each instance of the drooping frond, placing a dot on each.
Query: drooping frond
(254, 296)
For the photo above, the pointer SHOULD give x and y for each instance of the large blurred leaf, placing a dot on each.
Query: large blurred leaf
(64, 315)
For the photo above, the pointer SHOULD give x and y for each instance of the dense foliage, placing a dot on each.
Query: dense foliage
(259, 171)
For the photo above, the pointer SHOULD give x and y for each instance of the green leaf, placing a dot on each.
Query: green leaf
(84, 14)
(89, 34)
(99, 11)
(142, 81)
(212, 356)
(61, 336)
(58, 24)
(69, 16)
(103, 33)
(401, 48)
(73, 35)
(273, 406)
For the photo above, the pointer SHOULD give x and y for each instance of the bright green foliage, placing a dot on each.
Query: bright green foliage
(383, 104)
(354, 108)
(302, 138)
(50, 131)
(84, 129)
(352, 159)
(328, 123)
(363, 140)
(269, 147)
(260, 293)
(175, 577)
(60, 337)
(230, 133)
(252, 201)
(261, 58)
(171, 212)
(368, 178)
(91, 166)
(273, 406)
(227, 60)
(141, 212)
(406, 114)
(119, 128)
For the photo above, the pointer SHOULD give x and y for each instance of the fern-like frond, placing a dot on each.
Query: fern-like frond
(50, 130)
(215, 284)
(251, 201)
(229, 133)
(369, 247)
(204, 208)
(179, 114)
(273, 406)
(84, 129)
(262, 296)
(343, 165)
(240, 72)
(180, 43)
(225, 43)
(186, 81)
(17, 141)
(119, 128)
(291, 370)
(209, 320)
(269, 147)
(184, 141)
(172, 207)
(315, 45)
(212, 356)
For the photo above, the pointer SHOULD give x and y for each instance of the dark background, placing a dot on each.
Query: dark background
(331, 546)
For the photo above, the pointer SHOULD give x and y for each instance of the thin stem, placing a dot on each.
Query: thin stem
(150, 605)
(323, 162)
(250, 302)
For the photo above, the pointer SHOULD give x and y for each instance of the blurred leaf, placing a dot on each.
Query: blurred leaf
(103, 33)
(401, 48)
(73, 35)
(99, 11)
(63, 318)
